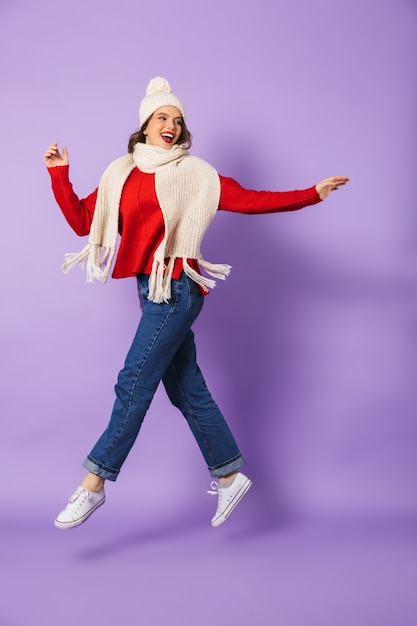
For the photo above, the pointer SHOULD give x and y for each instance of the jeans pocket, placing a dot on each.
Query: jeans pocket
(195, 297)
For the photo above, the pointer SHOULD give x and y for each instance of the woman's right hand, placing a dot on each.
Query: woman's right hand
(53, 158)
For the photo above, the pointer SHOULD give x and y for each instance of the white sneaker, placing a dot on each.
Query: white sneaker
(229, 497)
(80, 506)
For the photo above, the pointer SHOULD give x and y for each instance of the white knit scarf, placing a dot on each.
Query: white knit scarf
(188, 191)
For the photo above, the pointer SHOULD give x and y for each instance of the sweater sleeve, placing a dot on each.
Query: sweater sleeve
(78, 213)
(233, 197)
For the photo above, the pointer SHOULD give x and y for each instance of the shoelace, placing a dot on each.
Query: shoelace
(215, 488)
(75, 502)
(216, 491)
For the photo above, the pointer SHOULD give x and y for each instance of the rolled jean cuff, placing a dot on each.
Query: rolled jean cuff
(99, 470)
(227, 468)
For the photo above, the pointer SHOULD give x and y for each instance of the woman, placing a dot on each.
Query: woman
(161, 201)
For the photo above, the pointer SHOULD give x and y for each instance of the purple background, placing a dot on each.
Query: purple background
(309, 347)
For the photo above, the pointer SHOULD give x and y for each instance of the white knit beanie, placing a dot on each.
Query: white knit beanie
(158, 94)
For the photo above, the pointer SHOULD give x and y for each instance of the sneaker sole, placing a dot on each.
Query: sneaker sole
(233, 504)
(81, 520)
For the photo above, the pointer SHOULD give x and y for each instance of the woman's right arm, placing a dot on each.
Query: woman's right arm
(78, 213)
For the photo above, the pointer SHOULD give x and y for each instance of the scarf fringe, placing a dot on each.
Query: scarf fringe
(95, 258)
(161, 276)
(202, 281)
(160, 281)
(218, 270)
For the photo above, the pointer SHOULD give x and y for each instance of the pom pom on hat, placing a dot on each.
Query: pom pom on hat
(158, 85)
(158, 94)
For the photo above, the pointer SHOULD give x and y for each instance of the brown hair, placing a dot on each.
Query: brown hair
(139, 137)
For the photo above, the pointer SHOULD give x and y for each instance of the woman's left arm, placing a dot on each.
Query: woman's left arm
(235, 198)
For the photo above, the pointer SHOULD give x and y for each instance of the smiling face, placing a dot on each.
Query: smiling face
(164, 128)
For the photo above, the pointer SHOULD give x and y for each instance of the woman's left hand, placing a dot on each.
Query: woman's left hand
(326, 186)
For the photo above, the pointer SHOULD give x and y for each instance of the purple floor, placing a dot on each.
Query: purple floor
(140, 569)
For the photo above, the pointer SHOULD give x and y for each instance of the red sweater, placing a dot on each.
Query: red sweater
(141, 223)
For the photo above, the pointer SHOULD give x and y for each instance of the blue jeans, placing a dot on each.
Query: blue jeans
(164, 349)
